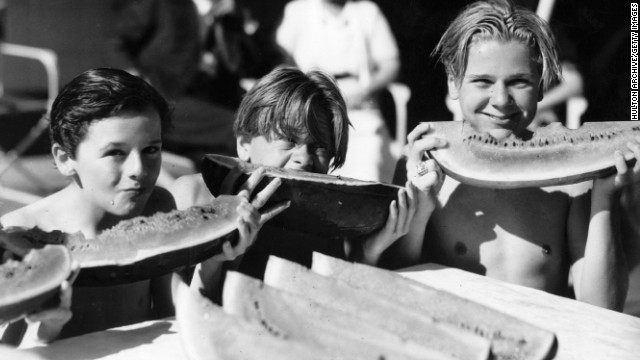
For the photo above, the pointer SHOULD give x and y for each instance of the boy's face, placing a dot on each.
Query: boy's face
(304, 155)
(500, 89)
(118, 161)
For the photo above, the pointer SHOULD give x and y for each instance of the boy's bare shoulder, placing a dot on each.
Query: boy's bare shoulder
(191, 182)
(22, 217)
(190, 190)
(33, 214)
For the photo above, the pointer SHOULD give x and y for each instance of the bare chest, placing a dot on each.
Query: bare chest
(513, 235)
(98, 308)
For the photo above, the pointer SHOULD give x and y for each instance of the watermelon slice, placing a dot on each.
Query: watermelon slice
(554, 155)
(143, 247)
(321, 204)
(26, 284)
(208, 333)
(342, 334)
(511, 338)
(380, 311)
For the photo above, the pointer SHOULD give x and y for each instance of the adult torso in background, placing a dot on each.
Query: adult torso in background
(343, 43)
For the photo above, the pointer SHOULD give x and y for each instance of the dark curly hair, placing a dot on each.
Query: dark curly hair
(97, 94)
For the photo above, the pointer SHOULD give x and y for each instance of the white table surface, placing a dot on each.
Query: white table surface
(583, 331)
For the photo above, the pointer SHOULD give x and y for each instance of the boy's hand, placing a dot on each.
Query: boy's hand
(424, 174)
(208, 276)
(608, 186)
(250, 220)
(397, 225)
(46, 324)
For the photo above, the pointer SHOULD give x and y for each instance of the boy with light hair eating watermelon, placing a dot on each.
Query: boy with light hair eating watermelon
(499, 60)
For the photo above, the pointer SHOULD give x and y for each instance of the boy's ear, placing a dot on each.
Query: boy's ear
(453, 87)
(243, 147)
(64, 162)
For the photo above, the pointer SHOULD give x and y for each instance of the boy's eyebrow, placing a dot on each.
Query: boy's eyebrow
(116, 143)
(520, 75)
(512, 76)
(476, 76)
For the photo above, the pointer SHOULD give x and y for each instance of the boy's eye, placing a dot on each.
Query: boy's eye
(286, 144)
(520, 83)
(114, 152)
(481, 82)
(152, 150)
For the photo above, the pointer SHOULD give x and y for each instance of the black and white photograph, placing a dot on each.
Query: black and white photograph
(319, 180)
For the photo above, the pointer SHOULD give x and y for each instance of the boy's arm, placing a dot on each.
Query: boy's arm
(405, 239)
(388, 240)
(423, 179)
(208, 275)
(410, 246)
(601, 277)
(402, 247)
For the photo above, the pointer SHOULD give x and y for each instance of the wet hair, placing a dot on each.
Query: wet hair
(98, 94)
(290, 104)
(499, 20)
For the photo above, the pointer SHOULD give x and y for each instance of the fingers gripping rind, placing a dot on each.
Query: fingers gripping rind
(262, 197)
(247, 189)
(418, 132)
(273, 211)
(403, 211)
(420, 142)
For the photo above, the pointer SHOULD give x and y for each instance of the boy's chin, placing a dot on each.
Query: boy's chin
(127, 209)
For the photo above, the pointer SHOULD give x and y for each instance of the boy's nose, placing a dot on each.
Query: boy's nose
(500, 96)
(134, 166)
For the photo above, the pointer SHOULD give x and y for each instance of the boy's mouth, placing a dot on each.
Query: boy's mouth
(135, 192)
(500, 119)
(510, 121)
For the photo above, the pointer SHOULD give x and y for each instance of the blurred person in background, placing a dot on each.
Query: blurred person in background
(352, 40)
(553, 106)
(195, 52)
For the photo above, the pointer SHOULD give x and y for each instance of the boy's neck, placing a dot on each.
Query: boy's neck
(84, 216)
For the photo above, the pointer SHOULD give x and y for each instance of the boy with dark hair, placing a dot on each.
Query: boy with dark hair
(106, 132)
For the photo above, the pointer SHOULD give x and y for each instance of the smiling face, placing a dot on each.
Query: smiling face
(500, 88)
(303, 154)
(117, 163)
